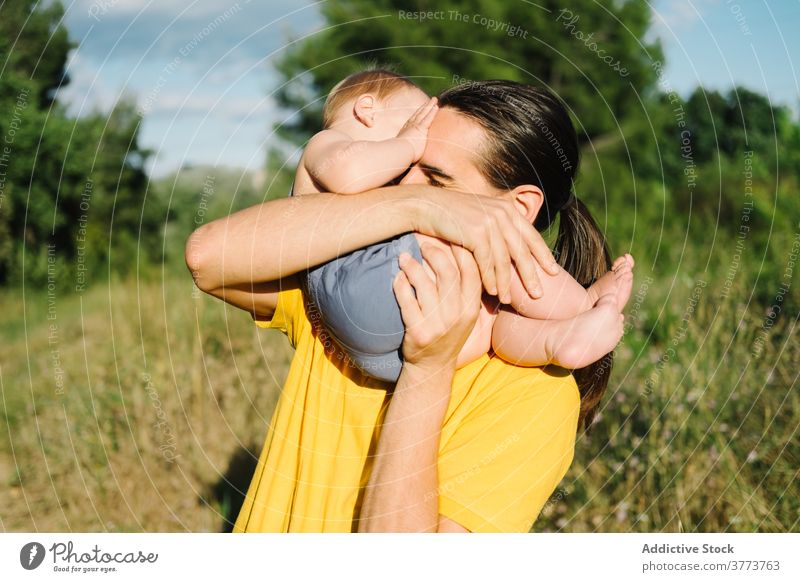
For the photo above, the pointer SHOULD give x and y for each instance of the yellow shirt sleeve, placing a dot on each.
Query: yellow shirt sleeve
(287, 315)
(501, 461)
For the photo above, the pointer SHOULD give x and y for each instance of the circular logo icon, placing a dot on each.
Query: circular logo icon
(31, 555)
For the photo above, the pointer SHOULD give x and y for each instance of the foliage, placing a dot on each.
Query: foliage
(34, 46)
(479, 39)
(73, 192)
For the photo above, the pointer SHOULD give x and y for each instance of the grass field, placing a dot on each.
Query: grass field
(141, 406)
(143, 414)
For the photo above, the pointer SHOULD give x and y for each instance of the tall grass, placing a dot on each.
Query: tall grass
(142, 408)
(166, 397)
(699, 430)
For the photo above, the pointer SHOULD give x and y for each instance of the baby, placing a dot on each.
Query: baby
(375, 127)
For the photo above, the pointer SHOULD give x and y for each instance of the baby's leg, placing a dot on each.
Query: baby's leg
(570, 343)
(562, 296)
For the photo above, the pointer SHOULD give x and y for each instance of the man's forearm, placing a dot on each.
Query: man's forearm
(402, 493)
(279, 238)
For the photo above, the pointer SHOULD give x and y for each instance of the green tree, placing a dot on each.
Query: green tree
(707, 113)
(728, 125)
(593, 54)
(34, 45)
(70, 189)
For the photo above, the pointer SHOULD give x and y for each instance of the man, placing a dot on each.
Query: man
(480, 448)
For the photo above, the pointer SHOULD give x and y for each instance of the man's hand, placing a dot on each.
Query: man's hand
(416, 128)
(494, 231)
(441, 316)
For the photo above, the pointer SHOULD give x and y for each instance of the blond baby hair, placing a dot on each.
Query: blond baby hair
(380, 82)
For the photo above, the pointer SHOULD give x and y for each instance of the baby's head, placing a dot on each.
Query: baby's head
(378, 101)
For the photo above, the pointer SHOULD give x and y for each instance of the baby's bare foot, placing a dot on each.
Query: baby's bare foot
(618, 281)
(605, 285)
(623, 274)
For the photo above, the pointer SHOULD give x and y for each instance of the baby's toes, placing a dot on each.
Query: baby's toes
(624, 269)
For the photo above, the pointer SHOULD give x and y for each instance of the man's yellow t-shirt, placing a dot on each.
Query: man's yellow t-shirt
(507, 440)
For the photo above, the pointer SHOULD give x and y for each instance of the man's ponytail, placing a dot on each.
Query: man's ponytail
(581, 249)
(580, 245)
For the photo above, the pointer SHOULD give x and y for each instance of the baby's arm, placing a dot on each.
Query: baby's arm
(345, 166)
(340, 164)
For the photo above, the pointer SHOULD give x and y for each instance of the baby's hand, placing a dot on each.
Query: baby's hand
(416, 128)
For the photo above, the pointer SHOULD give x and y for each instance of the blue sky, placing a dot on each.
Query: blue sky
(719, 43)
(201, 70)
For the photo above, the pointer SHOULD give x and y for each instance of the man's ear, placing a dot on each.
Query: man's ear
(364, 109)
(528, 200)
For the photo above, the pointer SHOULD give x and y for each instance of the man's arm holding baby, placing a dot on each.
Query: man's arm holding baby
(438, 312)
(246, 258)
(251, 251)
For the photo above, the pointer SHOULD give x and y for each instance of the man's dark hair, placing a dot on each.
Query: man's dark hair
(531, 140)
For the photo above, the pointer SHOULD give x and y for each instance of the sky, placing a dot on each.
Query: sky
(201, 71)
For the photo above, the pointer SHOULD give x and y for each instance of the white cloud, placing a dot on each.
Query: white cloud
(219, 88)
(671, 17)
(174, 104)
(88, 89)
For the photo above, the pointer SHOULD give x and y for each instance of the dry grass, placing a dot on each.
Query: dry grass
(709, 445)
(704, 441)
(165, 403)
